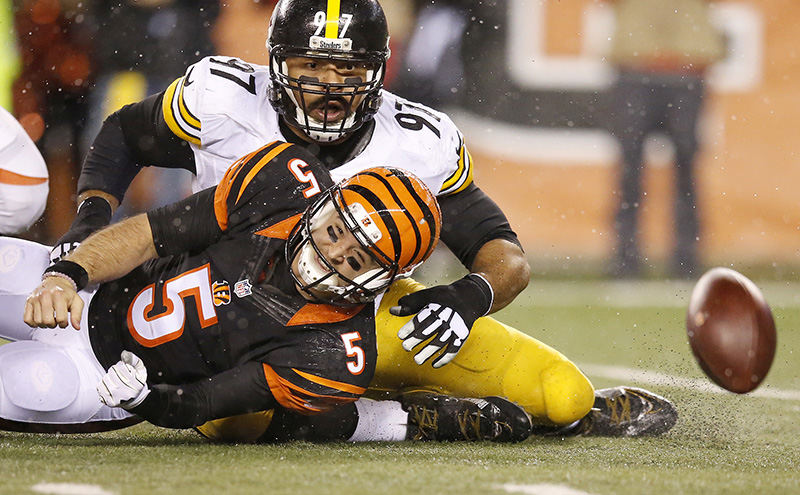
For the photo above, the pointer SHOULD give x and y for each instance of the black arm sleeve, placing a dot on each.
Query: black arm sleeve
(131, 138)
(470, 219)
(236, 391)
(187, 225)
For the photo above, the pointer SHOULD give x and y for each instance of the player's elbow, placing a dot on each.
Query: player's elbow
(522, 273)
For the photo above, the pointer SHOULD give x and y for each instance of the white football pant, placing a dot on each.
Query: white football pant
(49, 375)
(23, 177)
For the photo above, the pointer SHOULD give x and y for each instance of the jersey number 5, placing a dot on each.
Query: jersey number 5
(296, 166)
(357, 366)
(153, 330)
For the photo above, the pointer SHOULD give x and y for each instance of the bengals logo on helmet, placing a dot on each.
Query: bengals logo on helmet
(221, 292)
(400, 205)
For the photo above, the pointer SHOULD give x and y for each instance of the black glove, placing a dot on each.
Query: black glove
(94, 213)
(445, 315)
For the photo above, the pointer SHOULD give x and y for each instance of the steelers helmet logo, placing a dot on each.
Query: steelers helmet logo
(222, 293)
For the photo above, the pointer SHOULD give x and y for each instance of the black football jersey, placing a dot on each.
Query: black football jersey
(218, 315)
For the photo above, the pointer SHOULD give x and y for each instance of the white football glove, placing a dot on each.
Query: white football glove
(59, 251)
(444, 316)
(125, 383)
(443, 324)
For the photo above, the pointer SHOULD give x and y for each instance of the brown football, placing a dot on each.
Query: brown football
(731, 330)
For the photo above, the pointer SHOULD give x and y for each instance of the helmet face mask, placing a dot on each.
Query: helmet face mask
(317, 277)
(356, 98)
(384, 232)
(356, 34)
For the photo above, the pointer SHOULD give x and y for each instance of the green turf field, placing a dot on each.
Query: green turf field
(618, 333)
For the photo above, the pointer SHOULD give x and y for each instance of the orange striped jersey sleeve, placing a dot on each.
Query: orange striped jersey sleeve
(307, 393)
(268, 183)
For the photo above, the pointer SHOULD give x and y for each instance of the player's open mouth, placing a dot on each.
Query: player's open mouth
(334, 111)
(320, 264)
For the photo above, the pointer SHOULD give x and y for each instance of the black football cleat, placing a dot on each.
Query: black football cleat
(515, 424)
(446, 418)
(627, 412)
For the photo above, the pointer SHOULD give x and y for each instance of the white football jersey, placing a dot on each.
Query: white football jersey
(220, 106)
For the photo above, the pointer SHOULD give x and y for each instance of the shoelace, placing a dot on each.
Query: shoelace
(624, 414)
(427, 421)
(469, 422)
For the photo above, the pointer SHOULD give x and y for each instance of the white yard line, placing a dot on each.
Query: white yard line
(541, 489)
(635, 375)
(637, 293)
(69, 489)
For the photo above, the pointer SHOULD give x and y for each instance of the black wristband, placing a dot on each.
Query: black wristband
(99, 209)
(72, 270)
(93, 214)
(484, 293)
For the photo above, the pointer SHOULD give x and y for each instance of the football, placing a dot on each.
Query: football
(731, 330)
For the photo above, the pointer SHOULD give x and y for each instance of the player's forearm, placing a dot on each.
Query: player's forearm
(134, 136)
(505, 266)
(232, 392)
(114, 251)
(110, 164)
(174, 406)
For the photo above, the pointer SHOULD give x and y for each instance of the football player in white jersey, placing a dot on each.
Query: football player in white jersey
(23, 177)
(323, 90)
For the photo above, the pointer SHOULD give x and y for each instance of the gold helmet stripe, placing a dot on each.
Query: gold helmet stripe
(332, 22)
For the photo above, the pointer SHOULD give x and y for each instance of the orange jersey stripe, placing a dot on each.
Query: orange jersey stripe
(282, 390)
(344, 387)
(282, 229)
(224, 189)
(257, 168)
(323, 313)
(8, 177)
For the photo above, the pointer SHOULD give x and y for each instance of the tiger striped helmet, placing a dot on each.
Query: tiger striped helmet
(392, 215)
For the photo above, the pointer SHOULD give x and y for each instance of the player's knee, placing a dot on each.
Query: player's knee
(568, 394)
(244, 428)
(21, 206)
(41, 383)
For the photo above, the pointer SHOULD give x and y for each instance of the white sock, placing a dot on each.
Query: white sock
(380, 421)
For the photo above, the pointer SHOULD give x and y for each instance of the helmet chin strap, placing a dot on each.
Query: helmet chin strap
(307, 266)
(319, 136)
(310, 272)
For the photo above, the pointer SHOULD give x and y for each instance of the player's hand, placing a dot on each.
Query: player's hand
(125, 383)
(444, 317)
(54, 302)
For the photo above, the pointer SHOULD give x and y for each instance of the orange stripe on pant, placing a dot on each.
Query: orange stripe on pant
(7, 177)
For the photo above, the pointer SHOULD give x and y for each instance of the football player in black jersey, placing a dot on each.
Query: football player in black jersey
(324, 92)
(303, 259)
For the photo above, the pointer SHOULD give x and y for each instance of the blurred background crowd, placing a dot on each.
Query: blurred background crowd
(613, 133)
